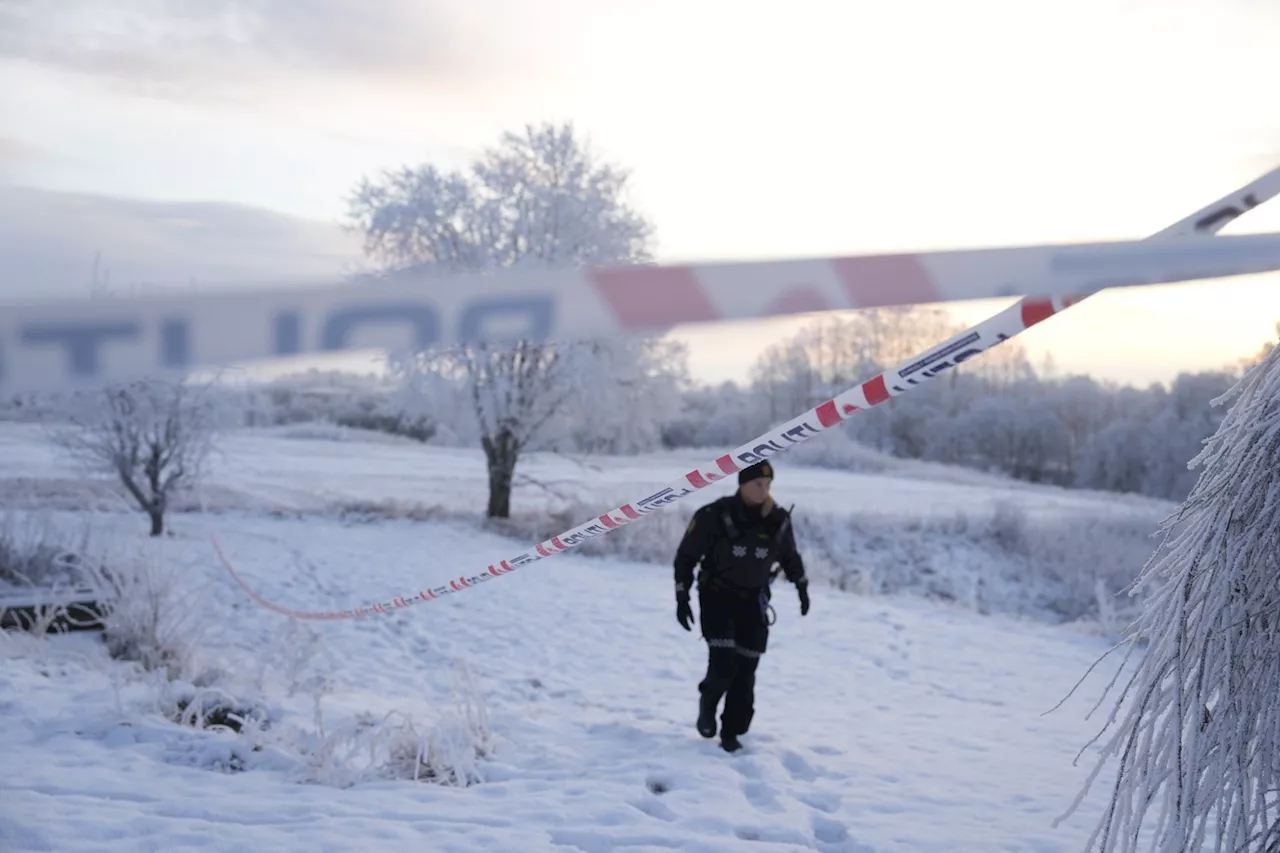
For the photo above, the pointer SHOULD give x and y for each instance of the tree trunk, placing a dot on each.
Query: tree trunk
(151, 506)
(501, 452)
(155, 507)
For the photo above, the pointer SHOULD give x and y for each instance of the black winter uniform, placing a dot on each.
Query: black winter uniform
(737, 546)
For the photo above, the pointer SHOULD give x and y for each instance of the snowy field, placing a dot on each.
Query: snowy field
(565, 691)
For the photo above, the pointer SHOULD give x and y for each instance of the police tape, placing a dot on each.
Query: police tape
(63, 344)
(909, 374)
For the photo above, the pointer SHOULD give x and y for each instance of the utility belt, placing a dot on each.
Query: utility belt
(744, 594)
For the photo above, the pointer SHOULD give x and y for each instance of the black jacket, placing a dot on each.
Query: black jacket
(737, 546)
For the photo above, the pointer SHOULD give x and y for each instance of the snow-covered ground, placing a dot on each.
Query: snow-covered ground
(883, 724)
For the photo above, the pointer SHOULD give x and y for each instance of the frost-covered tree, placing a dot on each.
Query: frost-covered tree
(539, 200)
(628, 389)
(1198, 742)
(717, 416)
(1001, 369)
(1115, 457)
(1079, 402)
(1022, 438)
(154, 435)
(833, 353)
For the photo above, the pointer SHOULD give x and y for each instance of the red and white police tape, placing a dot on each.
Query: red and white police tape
(905, 376)
(61, 343)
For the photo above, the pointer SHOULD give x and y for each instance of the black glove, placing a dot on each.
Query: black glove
(684, 613)
(802, 589)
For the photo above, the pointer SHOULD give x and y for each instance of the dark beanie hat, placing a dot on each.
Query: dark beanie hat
(755, 472)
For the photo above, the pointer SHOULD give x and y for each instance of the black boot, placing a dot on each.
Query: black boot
(730, 743)
(707, 717)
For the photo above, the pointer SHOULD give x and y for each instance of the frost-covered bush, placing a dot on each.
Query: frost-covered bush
(33, 552)
(1078, 559)
(213, 709)
(152, 614)
(446, 751)
(650, 540)
(149, 613)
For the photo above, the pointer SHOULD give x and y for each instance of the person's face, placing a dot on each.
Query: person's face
(755, 491)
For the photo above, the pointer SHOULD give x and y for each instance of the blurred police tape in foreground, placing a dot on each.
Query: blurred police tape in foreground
(60, 344)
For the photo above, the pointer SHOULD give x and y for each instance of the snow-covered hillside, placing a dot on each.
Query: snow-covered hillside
(883, 724)
(314, 466)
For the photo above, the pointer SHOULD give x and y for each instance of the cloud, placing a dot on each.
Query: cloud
(183, 48)
(49, 241)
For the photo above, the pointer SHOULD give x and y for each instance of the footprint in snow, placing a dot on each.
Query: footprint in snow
(800, 770)
(829, 831)
(833, 837)
(762, 796)
(826, 803)
(771, 835)
(655, 809)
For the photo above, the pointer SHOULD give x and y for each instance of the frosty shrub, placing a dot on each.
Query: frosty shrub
(448, 751)
(149, 617)
(1008, 528)
(35, 553)
(366, 416)
(226, 734)
(1076, 559)
(1198, 739)
(651, 540)
(356, 511)
(214, 709)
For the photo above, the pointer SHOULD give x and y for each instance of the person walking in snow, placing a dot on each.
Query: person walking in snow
(737, 540)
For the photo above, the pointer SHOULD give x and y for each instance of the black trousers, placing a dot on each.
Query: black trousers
(737, 635)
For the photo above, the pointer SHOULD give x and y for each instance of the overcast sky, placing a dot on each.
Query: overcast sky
(217, 141)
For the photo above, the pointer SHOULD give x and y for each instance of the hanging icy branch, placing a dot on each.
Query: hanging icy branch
(1198, 741)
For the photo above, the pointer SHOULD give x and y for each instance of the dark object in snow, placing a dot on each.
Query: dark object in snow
(30, 609)
(217, 715)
